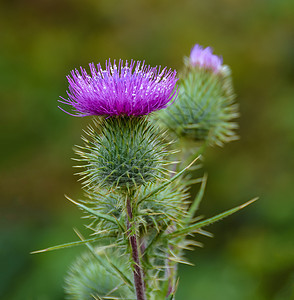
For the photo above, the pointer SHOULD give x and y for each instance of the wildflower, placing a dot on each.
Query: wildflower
(130, 89)
(205, 59)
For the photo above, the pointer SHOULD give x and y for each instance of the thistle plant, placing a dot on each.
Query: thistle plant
(139, 209)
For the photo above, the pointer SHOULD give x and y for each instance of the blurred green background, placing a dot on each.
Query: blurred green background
(252, 254)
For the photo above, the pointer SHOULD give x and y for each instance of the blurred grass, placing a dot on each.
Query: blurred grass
(252, 254)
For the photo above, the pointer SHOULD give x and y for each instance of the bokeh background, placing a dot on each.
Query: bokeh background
(252, 254)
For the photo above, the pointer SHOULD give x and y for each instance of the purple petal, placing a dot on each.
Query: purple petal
(204, 58)
(131, 89)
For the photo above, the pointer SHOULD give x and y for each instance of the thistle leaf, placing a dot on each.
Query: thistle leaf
(156, 238)
(192, 228)
(97, 214)
(68, 245)
(165, 184)
(195, 204)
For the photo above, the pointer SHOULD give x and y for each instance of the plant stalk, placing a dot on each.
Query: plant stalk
(138, 274)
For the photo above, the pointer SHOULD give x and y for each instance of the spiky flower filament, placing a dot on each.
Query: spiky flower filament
(131, 89)
(204, 59)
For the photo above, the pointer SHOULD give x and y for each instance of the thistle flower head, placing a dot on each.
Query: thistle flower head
(131, 89)
(204, 58)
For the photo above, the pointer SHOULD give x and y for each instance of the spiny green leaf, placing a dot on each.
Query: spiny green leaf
(165, 184)
(195, 204)
(96, 213)
(155, 238)
(209, 221)
(68, 245)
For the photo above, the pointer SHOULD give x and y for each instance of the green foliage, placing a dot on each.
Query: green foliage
(135, 207)
(158, 208)
(88, 279)
(96, 205)
(162, 223)
(158, 213)
(122, 152)
(161, 219)
(155, 211)
(193, 227)
(161, 209)
(204, 109)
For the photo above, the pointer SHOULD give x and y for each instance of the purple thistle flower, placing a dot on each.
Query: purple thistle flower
(205, 59)
(133, 89)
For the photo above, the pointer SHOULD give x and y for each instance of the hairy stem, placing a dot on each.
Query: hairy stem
(138, 274)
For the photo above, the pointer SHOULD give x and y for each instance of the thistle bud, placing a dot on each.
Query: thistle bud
(122, 152)
(205, 107)
(88, 279)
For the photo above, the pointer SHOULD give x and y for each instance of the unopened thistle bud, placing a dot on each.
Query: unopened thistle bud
(205, 106)
(124, 151)
(88, 279)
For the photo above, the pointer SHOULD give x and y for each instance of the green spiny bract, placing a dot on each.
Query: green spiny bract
(205, 107)
(122, 152)
(159, 210)
(104, 203)
(157, 214)
(162, 208)
(87, 279)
